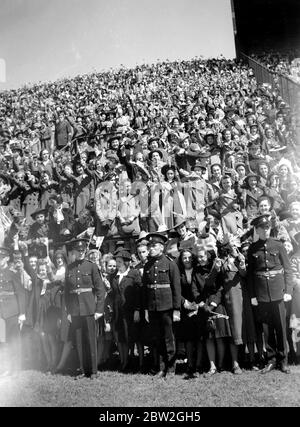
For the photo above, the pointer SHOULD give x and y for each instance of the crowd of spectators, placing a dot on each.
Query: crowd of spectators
(286, 64)
(196, 149)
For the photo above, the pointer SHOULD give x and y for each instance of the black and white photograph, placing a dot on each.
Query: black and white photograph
(150, 206)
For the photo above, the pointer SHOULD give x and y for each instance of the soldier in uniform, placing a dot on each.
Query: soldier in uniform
(161, 300)
(12, 316)
(270, 283)
(84, 295)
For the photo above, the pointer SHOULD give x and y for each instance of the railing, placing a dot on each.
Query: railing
(289, 90)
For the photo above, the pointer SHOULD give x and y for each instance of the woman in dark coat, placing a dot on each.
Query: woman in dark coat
(231, 280)
(47, 316)
(126, 289)
(60, 264)
(208, 297)
(188, 330)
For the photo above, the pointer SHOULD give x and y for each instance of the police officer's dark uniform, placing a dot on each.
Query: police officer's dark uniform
(161, 295)
(84, 295)
(12, 305)
(269, 278)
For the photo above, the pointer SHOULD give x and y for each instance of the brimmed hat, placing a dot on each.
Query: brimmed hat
(113, 136)
(153, 138)
(155, 151)
(198, 164)
(262, 162)
(179, 222)
(240, 164)
(284, 215)
(209, 132)
(38, 212)
(252, 175)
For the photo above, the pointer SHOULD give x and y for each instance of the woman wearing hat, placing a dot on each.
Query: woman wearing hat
(174, 131)
(39, 233)
(172, 201)
(196, 191)
(84, 190)
(212, 330)
(231, 276)
(212, 144)
(126, 289)
(251, 194)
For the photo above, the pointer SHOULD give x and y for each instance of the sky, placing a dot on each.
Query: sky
(44, 40)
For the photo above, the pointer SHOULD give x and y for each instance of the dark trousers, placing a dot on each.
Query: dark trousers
(163, 343)
(272, 315)
(83, 330)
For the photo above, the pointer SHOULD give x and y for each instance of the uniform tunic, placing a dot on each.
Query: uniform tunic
(161, 295)
(83, 274)
(269, 278)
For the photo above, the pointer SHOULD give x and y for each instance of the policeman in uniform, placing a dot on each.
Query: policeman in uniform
(84, 294)
(12, 316)
(270, 286)
(161, 300)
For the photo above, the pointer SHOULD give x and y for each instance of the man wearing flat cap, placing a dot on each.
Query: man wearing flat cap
(12, 316)
(270, 283)
(161, 300)
(84, 294)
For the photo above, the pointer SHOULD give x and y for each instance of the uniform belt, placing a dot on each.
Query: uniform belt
(80, 290)
(6, 294)
(159, 285)
(271, 273)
